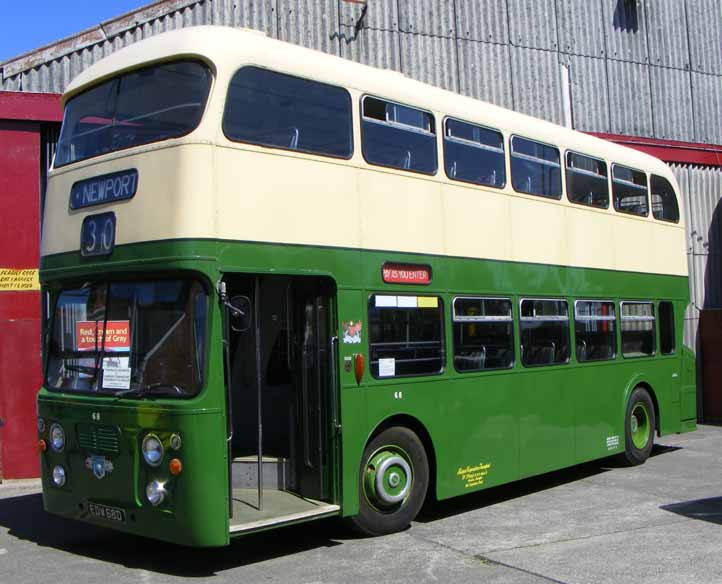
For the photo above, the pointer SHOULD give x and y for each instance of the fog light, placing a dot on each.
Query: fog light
(152, 450)
(57, 437)
(41, 425)
(59, 476)
(155, 491)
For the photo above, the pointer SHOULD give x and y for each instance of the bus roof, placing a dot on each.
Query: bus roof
(229, 48)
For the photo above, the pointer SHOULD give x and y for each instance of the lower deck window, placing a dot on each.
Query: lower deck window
(595, 331)
(406, 335)
(637, 326)
(544, 332)
(483, 334)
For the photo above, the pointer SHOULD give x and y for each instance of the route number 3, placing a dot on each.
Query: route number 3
(97, 235)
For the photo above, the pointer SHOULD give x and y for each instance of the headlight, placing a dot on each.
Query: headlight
(152, 450)
(59, 476)
(155, 491)
(57, 437)
(41, 425)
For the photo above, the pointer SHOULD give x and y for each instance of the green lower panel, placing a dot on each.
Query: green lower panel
(484, 429)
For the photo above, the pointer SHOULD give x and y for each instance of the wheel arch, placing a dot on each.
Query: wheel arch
(416, 426)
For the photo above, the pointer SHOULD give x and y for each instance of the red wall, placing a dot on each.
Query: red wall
(20, 375)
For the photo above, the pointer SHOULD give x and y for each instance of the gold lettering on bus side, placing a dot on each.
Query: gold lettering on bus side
(473, 476)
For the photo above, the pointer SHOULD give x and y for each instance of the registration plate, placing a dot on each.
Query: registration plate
(105, 512)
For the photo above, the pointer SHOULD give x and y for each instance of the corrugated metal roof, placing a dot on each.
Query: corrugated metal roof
(487, 20)
(310, 24)
(672, 99)
(590, 101)
(537, 83)
(707, 100)
(629, 98)
(667, 31)
(429, 17)
(705, 22)
(431, 59)
(625, 30)
(533, 24)
(484, 72)
(581, 27)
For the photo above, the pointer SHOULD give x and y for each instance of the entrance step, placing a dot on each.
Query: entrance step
(276, 473)
(279, 508)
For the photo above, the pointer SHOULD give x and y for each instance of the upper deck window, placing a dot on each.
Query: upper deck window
(398, 136)
(474, 154)
(629, 188)
(282, 111)
(587, 180)
(664, 201)
(535, 168)
(148, 105)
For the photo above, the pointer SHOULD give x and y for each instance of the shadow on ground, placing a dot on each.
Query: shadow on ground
(702, 509)
(25, 519)
(494, 495)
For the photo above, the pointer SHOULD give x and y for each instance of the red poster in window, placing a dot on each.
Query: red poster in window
(89, 336)
(406, 273)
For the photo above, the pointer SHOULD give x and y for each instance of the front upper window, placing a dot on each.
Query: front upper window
(144, 337)
(147, 105)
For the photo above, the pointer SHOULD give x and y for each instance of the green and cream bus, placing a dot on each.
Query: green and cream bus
(283, 286)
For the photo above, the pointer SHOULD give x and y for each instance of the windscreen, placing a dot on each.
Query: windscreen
(130, 338)
(147, 105)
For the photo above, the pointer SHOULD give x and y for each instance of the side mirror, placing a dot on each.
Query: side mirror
(239, 313)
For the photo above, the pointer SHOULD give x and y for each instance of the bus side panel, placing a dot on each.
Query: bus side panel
(599, 427)
(546, 420)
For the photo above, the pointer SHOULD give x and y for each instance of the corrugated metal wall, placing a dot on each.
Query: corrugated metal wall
(702, 192)
(620, 55)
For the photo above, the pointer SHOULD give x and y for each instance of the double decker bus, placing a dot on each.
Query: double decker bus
(282, 286)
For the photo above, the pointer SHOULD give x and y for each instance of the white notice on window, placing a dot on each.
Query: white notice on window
(116, 378)
(387, 367)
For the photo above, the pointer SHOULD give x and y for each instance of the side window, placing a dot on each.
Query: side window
(666, 328)
(474, 154)
(398, 136)
(587, 180)
(535, 168)
(282, 111)
(595, 330)
(637, 326)
(483, 334)
(664, 200)
(544, 328)
(406, 335)
(629, 188)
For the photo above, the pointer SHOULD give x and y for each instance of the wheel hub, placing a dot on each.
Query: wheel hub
(388, 478)
(639, 426)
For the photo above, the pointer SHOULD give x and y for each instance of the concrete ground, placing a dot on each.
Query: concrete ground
(598, 522)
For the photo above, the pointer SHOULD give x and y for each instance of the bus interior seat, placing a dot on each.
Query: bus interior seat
(293, 138)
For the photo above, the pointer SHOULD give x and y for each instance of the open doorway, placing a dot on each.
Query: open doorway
(282, 400)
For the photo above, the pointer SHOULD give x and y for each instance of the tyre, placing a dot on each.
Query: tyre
(639, 427)
(393, 480)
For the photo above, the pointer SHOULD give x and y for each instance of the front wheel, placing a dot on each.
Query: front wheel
(393, 479)
(639, 427)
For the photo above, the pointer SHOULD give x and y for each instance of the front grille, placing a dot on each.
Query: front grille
(99, 438)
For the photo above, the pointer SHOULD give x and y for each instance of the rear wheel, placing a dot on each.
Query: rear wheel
(393, 479)
(639, 427)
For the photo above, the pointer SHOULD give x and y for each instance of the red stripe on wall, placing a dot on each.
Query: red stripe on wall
(35, 107)
(670, 151)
